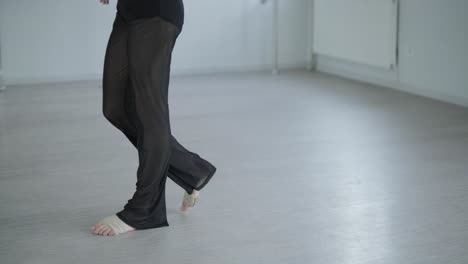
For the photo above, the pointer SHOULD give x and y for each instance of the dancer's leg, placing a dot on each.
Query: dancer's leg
(115, 84)
(186, 168)
(116, 80)
(150, 45)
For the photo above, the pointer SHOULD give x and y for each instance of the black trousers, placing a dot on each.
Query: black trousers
(135, 100)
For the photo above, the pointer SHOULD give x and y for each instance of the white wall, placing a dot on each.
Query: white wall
(433, 60)
(363, 31)
(51, 40)
(2, 86)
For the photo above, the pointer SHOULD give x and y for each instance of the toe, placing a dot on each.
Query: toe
(103, 230)
(95, 226)
(109, 232)
(106, 231)
(99, 228)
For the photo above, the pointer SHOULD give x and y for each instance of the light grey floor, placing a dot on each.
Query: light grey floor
(311, 169)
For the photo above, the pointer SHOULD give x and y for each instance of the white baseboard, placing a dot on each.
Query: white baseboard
(16, 80)
(235, 69)
(381, 77)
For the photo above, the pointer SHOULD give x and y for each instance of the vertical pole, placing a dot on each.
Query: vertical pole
(2, 86)
(275, 37)
(310, 35)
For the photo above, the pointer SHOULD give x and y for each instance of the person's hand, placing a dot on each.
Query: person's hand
(104, 2)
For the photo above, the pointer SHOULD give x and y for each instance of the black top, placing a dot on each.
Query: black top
(170, 10)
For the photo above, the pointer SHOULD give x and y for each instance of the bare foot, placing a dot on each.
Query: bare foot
(111, 226)
(189, 200)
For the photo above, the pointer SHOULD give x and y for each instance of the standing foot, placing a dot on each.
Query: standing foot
(111, 226)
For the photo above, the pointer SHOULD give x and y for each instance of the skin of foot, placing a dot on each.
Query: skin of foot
(185, 205)
(111, 226)
(104, 227)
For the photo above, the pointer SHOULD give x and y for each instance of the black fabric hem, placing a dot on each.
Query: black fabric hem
(208, 178)
(189, 189)
(142, 226)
